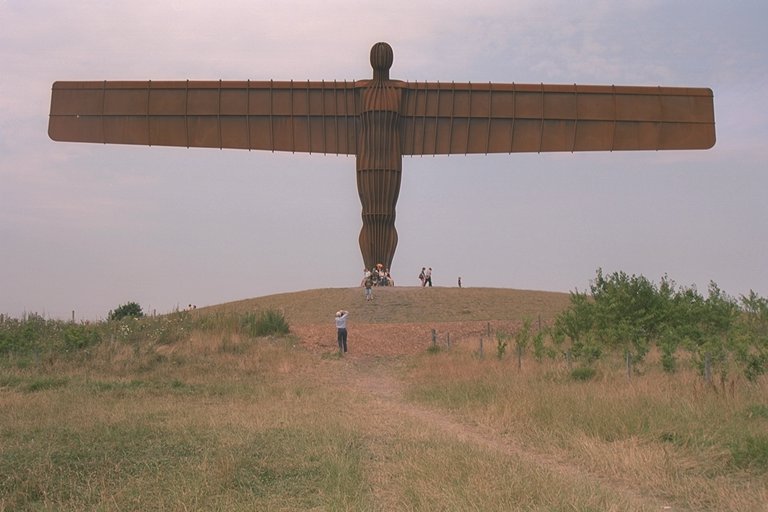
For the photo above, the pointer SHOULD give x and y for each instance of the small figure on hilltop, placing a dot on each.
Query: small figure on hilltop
(341, 330)
(368, 283)
(459, 281)
(366, 275)
(428, 277)
(422, 276)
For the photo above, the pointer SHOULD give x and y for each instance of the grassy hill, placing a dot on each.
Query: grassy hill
(406, 305)
(189, 412)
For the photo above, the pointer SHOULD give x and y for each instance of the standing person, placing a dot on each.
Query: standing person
(428, 277)
(368, 288)
(341, 330)
(422, 276)
(459, 281)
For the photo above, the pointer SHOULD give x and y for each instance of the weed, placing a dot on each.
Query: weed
(10, 381)
(583, 373)
(44, 384)
(269, 322)
(751, 453)
(757, 411)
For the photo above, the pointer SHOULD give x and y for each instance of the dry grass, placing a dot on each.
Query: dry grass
(657, 438)
(215, 421)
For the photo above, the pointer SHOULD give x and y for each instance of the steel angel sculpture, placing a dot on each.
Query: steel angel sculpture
(379, 120)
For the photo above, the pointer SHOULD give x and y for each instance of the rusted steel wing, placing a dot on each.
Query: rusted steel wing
(460, 118)
(314, 117)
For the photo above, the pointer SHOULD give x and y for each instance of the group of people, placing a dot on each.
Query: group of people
(425, 276)
(378, 276)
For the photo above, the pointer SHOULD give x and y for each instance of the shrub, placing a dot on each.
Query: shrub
(26, 335)
(523, 336)
(434, 349)
(632, 313)
(130, 309)
(540, 349)
(755, 365)
(501, 344)
(668, 362)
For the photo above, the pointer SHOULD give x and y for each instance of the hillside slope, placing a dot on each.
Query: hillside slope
(408, 305)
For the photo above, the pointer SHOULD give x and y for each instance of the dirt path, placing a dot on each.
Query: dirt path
(367, 373)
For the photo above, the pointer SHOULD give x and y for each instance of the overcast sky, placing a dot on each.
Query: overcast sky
(86, 227)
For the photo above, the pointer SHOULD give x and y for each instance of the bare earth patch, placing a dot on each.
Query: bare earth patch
(387, 340)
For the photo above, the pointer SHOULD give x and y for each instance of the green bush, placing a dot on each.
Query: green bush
(540, 348)
(130, 309)
(668, 362)
(79, 336)
(36, 335)
(631, 314)
(755, 365)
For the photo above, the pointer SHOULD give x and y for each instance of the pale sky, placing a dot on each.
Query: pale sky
(86, 227)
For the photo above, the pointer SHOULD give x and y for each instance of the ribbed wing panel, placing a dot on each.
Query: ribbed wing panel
(315, 117)
(453, 118)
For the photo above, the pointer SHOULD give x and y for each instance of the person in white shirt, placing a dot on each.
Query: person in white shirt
(341, 330)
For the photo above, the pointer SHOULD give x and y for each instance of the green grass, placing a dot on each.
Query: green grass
(78, 466)
(32, 384)
(299, 469)
(751, 452)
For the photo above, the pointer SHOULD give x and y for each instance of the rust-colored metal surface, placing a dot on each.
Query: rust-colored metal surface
(380, 120)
